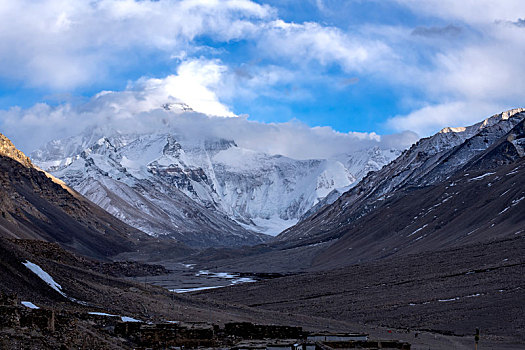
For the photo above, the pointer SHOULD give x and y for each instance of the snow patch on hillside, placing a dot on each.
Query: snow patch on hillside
(44, 276)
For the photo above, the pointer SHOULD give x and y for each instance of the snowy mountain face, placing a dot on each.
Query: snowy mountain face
(166, 184)
(430, 161)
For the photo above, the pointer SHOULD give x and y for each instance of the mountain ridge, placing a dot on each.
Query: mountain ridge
(254, 190)
(428, 161)
(36, 206)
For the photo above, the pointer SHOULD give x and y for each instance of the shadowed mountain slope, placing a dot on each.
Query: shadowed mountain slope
(36, 206)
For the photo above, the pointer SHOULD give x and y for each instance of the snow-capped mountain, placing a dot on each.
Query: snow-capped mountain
(36, 206)
(165, 182)
(430, 161)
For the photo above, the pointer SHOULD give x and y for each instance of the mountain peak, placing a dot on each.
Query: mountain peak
(511, 112)
(8, 149)
(450, 129)
(485, 123)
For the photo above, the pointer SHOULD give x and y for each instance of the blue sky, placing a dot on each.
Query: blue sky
(377, 66)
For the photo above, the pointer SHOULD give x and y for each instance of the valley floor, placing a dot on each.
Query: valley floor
(444, 295)
(441, 296)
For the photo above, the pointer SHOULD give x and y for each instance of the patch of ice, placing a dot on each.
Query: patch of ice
(129, 319)
(44, 276)
(101, 314)
(473, 295)
(29, 305)
(504, 210)
(480, 177)
(224, 275)
(419, 229)
(501, 195)
(447, 300)
(187, 290)
(471, 232)
(243, 280)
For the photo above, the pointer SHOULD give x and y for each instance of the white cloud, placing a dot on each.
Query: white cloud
(195, 84)
(65, 44)
(138, 109)
(470, 11)
(430, 119)
(487, 69)
(463, 82)
(310, 41)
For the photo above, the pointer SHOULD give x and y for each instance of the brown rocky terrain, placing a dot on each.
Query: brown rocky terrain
(33, 205)
(450, 292)
(87, 288)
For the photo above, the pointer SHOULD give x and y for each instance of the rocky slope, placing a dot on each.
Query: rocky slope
(197, 189)
(430, 161)
(34, 205)
(7, 149)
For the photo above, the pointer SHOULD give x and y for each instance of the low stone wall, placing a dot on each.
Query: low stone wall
(246, 330)
(18, 316)
(369, 344)
(167, 334)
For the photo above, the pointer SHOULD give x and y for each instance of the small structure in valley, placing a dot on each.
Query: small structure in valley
(327, 336)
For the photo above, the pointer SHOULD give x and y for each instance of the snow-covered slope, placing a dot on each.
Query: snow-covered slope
(153, 180)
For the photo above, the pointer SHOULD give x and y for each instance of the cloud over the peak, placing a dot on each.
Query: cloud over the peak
(195, 84)
(339, 63)
(474, 12)
(140, 108)
(429, 119)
